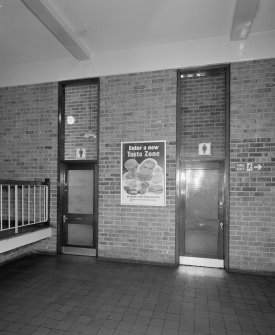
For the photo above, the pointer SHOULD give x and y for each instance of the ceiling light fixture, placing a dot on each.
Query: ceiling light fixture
(70, 120)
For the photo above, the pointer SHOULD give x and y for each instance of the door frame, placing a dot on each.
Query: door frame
(61, 157)
(179, 178)
(63, 185)
(204, 165)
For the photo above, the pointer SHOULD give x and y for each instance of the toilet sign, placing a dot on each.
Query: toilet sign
(248, 167)
(205, 149)
(80, 153)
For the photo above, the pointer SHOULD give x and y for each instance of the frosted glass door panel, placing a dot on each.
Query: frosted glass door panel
(80, 234)
(202, 194)
(80, 191)
(202, 212)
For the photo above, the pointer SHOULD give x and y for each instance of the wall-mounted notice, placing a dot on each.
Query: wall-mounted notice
(80, 153)
(243, 167)
(143, 173)
(204, 149)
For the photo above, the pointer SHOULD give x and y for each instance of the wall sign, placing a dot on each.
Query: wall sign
(143, 173)
(249, 167)
(205, 149)
(80, 153)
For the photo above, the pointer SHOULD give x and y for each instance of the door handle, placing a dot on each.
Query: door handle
(221, 225)
(64, 218)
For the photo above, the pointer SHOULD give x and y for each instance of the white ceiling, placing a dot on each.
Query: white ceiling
(105, 26)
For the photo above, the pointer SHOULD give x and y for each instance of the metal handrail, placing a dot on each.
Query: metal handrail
(23, 203)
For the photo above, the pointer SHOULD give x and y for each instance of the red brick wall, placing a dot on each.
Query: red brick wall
(136, 107)
(81, 101)
(28, 136)
(203, 114)
(252, 197)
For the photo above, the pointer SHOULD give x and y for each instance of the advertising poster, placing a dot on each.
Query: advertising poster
(143, 173)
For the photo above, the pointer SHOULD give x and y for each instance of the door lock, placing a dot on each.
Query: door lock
(221, 225)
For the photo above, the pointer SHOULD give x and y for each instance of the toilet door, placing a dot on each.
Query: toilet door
(202, 221)
(79, 206)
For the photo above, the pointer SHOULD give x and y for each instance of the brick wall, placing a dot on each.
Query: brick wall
(28, 136)
(203, 113)
(81, 101)
(136, 107)
(142, 106)
(252, 194)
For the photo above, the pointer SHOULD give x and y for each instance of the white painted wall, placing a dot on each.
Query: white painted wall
(171, 56)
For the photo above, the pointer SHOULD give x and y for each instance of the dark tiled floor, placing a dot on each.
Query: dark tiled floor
(76, 295)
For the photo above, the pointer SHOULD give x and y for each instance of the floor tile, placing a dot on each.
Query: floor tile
(74, 295)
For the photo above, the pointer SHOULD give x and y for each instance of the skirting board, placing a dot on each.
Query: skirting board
(206, 262)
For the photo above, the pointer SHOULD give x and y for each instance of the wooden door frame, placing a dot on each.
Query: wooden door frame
(179, 196)
(61, 156)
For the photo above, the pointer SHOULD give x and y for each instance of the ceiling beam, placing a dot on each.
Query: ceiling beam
(244, 15)
(58, 28)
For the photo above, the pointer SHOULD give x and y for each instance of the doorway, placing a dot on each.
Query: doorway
(202, 222)
(202, 181)
(79, 217)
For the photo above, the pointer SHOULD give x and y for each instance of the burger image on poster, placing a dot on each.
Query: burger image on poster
(155, 189)
(146, 177)
(131, 165)
(146, 168)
